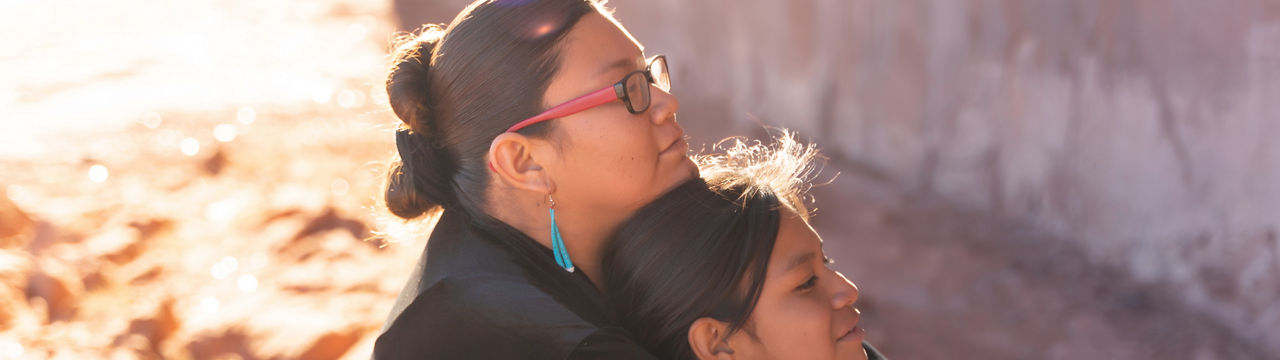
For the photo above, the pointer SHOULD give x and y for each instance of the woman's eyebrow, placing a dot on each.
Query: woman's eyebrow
(798, 260)
(625, 63)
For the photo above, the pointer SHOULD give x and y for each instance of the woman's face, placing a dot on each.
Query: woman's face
(805, 309)
(610, 162)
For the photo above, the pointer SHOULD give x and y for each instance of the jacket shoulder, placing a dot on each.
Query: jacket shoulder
(482, 316)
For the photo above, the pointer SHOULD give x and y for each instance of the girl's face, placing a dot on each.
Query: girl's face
(805, 309)
(608, 162)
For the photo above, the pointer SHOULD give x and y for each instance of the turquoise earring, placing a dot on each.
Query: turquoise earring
(557, 242)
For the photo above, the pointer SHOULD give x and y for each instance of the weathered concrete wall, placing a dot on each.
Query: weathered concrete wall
(1143, 132)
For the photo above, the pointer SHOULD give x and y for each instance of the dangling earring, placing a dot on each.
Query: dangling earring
(557, 243)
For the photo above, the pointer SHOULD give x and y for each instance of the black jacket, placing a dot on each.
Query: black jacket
(483, 290)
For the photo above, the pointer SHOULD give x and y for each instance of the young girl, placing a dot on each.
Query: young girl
(538, 126)
(729, 268)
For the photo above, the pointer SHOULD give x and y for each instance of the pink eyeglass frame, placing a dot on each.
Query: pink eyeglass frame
(599, 97)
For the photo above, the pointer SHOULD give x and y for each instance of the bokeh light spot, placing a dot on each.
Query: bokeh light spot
(247, 283)
(190, 147)
(339, 186)
(246, 115)
(321, 95)
(221, 269)
(222, 212)
(209, 304)
(98, 173)
(224, 132)
(151, 120)
(17, 193)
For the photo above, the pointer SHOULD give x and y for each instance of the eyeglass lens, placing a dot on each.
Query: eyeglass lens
(658, 69)
(637, 84)
(637, 92)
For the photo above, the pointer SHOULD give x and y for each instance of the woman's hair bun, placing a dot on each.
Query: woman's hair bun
(409, 80)
(423, 178)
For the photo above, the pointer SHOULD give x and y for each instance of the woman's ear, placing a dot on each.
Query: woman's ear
(511, 158)
(709, 339)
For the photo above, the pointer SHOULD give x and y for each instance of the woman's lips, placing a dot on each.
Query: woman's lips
(680, 145)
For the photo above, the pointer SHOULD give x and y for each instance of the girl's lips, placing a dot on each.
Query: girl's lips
(857, 334)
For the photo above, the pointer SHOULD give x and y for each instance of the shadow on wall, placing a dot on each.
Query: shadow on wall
(1141, 133)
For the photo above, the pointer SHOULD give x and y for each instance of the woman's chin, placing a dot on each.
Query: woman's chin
(681, 169)
(689, 168)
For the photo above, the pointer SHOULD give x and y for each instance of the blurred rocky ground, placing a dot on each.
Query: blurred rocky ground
(194, 180)
(258, 247)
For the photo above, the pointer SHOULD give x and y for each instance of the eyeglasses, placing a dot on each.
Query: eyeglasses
(633, 90)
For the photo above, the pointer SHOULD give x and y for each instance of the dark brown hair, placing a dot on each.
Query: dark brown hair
(457, 88)
(702, 249)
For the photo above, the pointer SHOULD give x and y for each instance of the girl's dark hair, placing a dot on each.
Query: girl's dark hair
(702, 249)
(457, 88)
(686, 256)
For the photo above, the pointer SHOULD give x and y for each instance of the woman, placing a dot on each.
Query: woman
(730, 269)
(537, 126)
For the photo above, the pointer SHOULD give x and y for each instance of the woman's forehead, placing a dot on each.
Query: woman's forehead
(598, 44)
(592, 52)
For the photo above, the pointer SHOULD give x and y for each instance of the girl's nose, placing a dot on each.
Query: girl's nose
(845, 294)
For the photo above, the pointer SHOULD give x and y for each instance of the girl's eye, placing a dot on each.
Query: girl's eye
(808, 284)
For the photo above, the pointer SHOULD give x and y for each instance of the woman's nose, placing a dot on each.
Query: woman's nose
(663, 107)
(845, 294)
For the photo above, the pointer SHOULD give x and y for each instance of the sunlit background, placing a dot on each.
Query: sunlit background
(1050, 179)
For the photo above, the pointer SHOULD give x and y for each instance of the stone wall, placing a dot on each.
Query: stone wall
(1143, 132)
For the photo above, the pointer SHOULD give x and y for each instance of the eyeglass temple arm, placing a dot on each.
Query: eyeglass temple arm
(578, 104)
